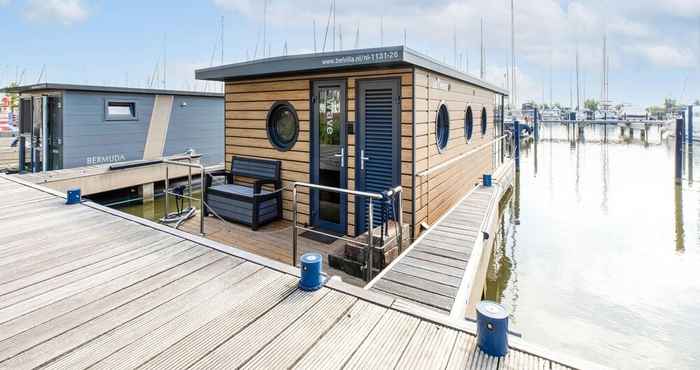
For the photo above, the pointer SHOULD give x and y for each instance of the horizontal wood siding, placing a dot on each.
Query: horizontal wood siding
(247, 104)
(441, 190)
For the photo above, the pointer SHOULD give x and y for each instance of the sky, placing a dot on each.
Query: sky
(653, 45)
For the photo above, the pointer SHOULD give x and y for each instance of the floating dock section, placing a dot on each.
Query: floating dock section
(87, 286)
(444, 270)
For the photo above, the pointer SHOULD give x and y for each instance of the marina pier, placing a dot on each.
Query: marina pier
(163, 298)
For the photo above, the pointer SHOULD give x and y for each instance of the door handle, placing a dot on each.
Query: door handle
(363, 159)
(342, 157)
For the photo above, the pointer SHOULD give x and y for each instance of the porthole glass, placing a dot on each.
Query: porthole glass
(442, 128)
(282, 126)
(468, 124)
(484, 121)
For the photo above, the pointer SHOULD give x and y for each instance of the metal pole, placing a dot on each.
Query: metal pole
(189, 181)
(22, 144)
(679, 151)
(516, 137)
(201, 199)
(690, 124)
(294, 225)
(400, 219)
(167, 187)
(370, 243)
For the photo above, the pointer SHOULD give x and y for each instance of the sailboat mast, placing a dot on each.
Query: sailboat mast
(578, 98)
(512, 51)
(264, 43)
(454, 45)
(483, 56)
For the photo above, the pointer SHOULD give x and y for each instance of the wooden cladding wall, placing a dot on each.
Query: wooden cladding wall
(247, 104)
(439, 191)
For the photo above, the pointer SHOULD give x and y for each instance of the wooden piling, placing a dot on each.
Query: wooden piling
(679, 151)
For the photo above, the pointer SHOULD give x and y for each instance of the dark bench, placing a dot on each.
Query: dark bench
(243, 203)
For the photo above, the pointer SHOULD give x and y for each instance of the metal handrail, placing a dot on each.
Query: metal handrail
(370, 233)
(190, 166)
(460, 157)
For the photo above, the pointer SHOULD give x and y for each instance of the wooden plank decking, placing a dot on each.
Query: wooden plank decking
(435, 271)
(85, 286)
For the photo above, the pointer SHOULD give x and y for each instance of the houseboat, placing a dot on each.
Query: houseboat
(68, 126)
(364, 120)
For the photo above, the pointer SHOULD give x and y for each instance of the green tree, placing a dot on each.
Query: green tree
(670, 105)
(591, 104)
(696, 102)
(14, 97)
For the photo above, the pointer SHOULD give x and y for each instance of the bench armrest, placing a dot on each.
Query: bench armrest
(258, 184)
(218, 173)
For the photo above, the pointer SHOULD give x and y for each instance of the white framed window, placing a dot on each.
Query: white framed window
(120, 110)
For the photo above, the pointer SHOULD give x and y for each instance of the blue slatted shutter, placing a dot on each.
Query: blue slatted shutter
(380, 118)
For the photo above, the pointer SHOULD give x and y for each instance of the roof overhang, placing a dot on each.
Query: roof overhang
(42, 87)
(335, 61)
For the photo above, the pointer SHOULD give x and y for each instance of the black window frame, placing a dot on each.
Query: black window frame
(442, 127)
(484, 121)
(121, 117)
(272, 133)
(469, 124)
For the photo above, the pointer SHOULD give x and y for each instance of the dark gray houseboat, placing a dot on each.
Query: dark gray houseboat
(90, 125)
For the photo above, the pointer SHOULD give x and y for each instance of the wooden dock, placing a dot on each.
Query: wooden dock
(445, 267)
(100, 178)
(87, 286)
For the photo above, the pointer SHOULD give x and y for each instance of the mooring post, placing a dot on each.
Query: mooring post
(679, 151)
(516, 138)
(536, 128)
(689, 134)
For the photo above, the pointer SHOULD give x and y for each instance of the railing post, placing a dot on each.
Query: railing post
(294, 225)
(167, 187)
(189, 181)
(21, 145)
(370, 242)
(202, 194)
(400, 220)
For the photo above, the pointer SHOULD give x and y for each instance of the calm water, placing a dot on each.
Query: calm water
(605, 261)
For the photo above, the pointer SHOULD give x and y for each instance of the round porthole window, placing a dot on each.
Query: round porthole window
(484, 121)
(442, 127)
(468, 124)
(282, 126)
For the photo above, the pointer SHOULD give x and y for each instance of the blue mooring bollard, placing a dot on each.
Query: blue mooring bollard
(492, 328)
(488, 180)
(312, 278)
(73, 196)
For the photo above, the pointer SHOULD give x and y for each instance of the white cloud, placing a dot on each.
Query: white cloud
(666, 55)
(63, 11)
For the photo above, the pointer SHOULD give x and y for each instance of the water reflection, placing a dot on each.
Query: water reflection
(680, 232)
(588, 259)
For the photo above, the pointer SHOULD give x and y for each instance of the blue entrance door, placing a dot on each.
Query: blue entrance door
(329, 154)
